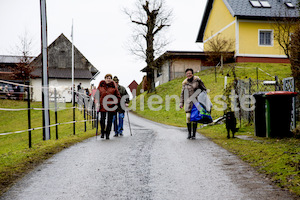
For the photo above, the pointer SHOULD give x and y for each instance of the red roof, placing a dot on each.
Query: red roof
(133, 85)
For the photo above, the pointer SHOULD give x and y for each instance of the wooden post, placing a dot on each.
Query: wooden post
(216, 73)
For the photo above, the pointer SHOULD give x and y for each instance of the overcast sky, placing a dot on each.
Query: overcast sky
(101, 30)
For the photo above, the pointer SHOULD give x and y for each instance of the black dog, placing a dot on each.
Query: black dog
(230, 123)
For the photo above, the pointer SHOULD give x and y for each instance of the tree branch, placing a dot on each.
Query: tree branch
(159, 28)
(140, 23)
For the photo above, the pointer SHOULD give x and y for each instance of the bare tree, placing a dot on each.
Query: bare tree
(287, 34)
(150, 18)
(219, 47)
(22, 70)
(295, 56)
(283, 28)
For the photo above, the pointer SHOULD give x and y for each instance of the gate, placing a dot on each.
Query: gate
(289, 85)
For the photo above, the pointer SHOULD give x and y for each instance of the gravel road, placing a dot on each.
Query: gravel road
(157, 162)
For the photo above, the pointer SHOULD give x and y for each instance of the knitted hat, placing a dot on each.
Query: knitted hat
(115, 79)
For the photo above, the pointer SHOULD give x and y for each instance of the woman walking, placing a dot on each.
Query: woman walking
(189, 86)
(109, 99)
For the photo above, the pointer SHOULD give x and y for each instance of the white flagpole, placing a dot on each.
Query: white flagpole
(73, 86)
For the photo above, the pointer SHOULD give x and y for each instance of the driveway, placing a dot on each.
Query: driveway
(157, 162)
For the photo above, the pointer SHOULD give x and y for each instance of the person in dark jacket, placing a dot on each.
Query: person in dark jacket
(118, 124)
(189, 86)
(109, 100)
(78, 87)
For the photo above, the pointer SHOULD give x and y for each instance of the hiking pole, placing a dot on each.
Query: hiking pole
(129, 123)
(97, 116)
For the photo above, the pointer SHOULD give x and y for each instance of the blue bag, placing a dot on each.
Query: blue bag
(201, 115)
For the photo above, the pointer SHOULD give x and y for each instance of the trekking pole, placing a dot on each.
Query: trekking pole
(97, 116)
(129, 123)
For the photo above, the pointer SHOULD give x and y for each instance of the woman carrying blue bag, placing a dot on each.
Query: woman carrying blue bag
(191, 87)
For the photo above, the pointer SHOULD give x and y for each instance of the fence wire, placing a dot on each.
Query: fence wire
(250, 87)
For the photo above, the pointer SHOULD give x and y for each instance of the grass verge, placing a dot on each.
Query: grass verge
(279, 159)
(16, 158)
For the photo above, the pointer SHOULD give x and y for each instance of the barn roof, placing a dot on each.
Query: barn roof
(60, 61)
(64, 73)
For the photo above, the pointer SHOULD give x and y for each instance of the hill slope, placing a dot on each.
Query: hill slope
(215, 85)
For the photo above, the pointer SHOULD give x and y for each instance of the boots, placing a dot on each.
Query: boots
(102, 134)
(194, 130)
(102, 124)
(107, 135)
(189, 127)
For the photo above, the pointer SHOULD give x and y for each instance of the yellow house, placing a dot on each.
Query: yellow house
(249, 24)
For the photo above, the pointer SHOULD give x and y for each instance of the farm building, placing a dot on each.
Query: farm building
(60, 69)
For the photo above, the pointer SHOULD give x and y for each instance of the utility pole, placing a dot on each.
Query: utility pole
(73, 86)
(45, 81)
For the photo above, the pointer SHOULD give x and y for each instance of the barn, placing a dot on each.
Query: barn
(60, 69)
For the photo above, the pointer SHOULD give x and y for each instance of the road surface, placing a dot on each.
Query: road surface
(157, 162)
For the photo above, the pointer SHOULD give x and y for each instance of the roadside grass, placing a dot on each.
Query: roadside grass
(279, 159)
(16, 158)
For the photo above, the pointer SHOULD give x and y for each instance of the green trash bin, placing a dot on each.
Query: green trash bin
(260, 114)
(278, 113)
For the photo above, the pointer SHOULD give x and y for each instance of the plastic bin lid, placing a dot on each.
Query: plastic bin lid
(259, 94)
(281, 93)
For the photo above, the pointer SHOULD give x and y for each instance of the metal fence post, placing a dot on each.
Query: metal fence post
(55, 104)
(249, 113)
(257, 77)
(277, 84)
(84, 115)
(92, 116)
(73, 112)
(294, 105)
(29, 117)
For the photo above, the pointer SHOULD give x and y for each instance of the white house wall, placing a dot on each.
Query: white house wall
(36, 90)
(65, 95)
(164, 77)
(180, 65)
(176, 68)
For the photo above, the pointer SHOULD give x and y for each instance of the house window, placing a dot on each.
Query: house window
(255, 4)
(265, 37)
(159, 72)
(265, 4)
(289, 5)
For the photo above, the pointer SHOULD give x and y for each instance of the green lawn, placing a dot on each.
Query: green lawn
(16, 158)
